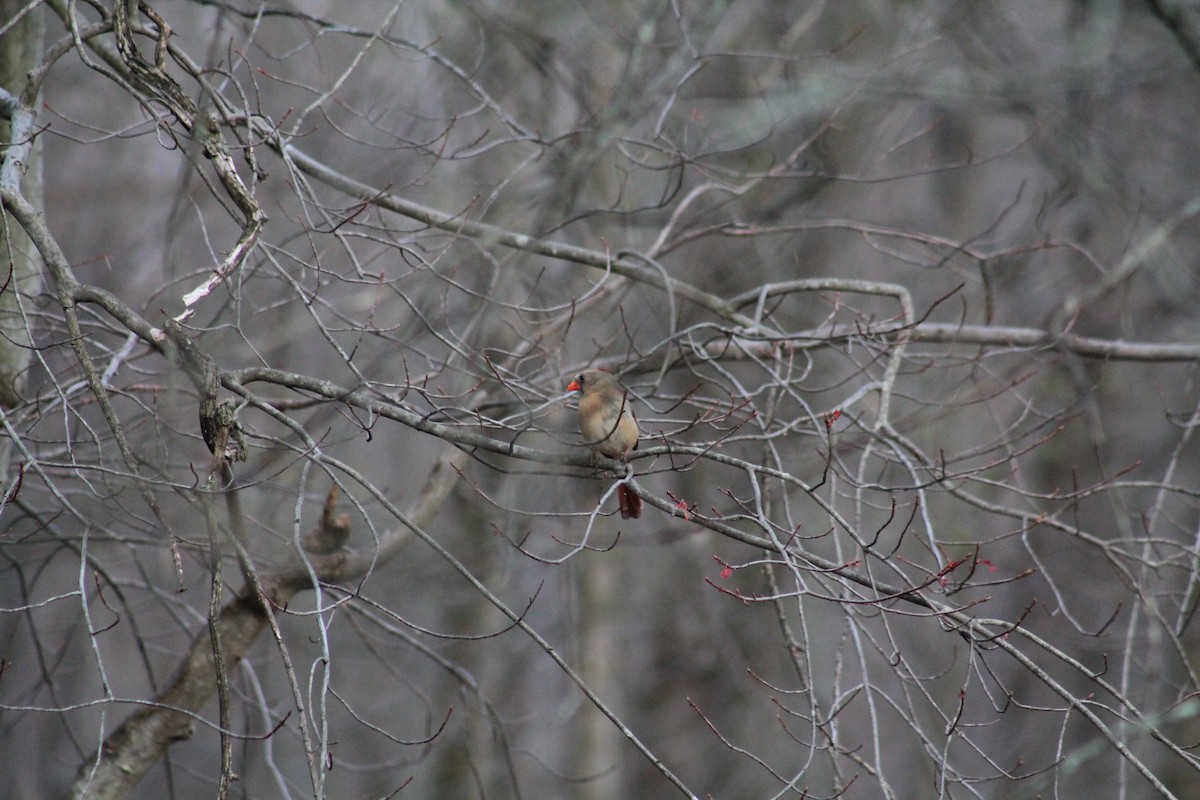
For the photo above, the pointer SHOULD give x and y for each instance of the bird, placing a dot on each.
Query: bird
(608, 426)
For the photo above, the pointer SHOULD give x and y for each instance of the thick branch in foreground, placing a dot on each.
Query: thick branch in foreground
(141, 740)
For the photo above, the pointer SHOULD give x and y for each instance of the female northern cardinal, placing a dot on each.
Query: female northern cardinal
(607, 423)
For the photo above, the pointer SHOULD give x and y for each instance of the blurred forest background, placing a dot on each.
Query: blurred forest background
(906, 298)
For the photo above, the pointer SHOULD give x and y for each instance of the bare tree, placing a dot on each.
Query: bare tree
(22, 168)
(296, 503)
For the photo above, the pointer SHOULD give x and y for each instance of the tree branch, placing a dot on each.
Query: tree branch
(130, 751)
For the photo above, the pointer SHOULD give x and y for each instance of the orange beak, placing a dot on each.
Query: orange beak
(574, 386)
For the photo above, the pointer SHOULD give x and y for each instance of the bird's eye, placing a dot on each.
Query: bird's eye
(580, 379)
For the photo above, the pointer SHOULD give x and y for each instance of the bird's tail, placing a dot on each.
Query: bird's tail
(631, 504)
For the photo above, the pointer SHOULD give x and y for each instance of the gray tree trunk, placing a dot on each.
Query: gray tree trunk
(20, 269)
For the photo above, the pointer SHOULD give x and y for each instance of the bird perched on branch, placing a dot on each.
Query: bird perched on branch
(607, 423)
